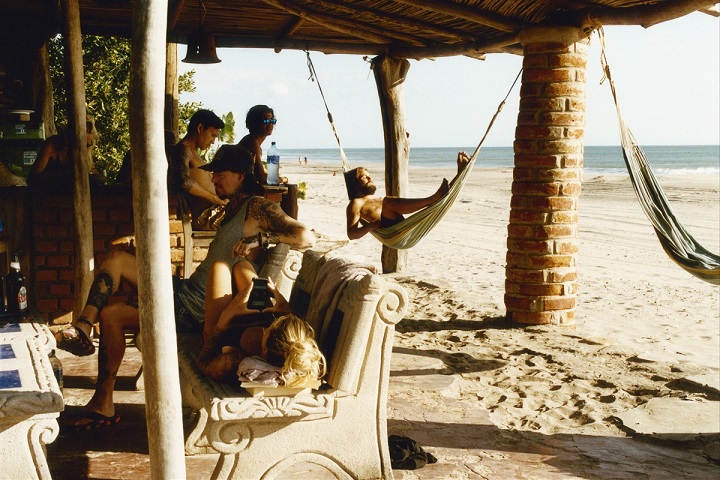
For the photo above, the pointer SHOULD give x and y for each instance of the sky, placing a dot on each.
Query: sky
(667, 77)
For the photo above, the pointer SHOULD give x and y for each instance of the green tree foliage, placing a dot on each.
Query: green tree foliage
(106, 63)
(186, 83)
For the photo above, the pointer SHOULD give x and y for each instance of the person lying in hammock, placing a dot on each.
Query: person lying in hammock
(366, 212)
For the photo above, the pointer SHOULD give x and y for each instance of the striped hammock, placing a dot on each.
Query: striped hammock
(679, 245)
(409, 231)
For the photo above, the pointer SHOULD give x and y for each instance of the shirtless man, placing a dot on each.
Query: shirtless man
(184, 173)
(250, 220)
(366, 213)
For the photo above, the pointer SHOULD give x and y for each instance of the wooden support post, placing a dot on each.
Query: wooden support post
(172, 109)
(43, 90)
(389, 76)
(150, 205)
(77, 149)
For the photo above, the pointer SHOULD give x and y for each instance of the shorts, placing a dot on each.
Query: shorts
(389, 222)
(185, 322)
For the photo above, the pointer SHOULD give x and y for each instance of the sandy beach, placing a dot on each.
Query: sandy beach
(643, 325)
(631, 392)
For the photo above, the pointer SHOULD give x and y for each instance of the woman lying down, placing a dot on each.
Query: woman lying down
(234, 332)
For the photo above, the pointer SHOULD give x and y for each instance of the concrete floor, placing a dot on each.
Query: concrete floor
(462, 436)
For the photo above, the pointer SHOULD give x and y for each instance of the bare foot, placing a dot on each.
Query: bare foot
(462, 161)
(442, 190)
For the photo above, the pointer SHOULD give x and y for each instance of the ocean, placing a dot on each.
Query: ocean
(664, 159)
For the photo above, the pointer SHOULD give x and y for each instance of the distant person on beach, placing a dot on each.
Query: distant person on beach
(186, 177)
(366, 213)
(260, 122)
(306, 160)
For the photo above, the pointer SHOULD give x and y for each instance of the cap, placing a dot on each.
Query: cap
(230, 158)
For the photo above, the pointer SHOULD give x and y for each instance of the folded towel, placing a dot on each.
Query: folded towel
(257, 370)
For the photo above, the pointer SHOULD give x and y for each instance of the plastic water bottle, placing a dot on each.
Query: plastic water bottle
(273, 165)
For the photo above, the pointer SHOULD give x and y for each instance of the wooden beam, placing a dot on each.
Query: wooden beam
(361, 31)
(77, 150)
(482, 47)
(471, 14)
(505, 44)
(643, 15)
(172, 106)
(390, 76)
(174, 9)
(713, 11)
(289, 29)
(150, 205)
(400, 21)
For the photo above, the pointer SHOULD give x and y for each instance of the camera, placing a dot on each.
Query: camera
(259, 295)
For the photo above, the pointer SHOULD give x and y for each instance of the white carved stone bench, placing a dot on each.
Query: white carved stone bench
(340, 428)
(30, 401)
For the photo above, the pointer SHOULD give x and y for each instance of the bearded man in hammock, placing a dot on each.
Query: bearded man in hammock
(366, 213)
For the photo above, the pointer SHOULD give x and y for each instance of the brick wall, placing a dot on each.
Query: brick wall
(541, 273)
(48, 251)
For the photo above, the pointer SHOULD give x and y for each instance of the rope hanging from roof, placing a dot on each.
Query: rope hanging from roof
(679, 245)
(408, 232)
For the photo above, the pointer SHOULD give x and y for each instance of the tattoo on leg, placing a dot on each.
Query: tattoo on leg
(100, 291)
(103, 373)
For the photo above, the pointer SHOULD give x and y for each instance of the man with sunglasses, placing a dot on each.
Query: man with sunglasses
(260, 121)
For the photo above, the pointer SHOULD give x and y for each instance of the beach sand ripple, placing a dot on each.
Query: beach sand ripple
(643, 328)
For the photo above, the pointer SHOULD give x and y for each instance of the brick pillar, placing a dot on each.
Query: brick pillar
(542, 244)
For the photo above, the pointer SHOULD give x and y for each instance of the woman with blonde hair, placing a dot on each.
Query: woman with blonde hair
(233, 332)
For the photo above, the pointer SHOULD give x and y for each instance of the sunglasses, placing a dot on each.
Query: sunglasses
(268, 121)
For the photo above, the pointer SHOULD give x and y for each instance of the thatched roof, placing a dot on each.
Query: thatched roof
(401, 28)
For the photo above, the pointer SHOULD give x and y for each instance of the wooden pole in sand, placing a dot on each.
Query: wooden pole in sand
(390, 77)
(541, 273)
(150, 205)
(77, 150)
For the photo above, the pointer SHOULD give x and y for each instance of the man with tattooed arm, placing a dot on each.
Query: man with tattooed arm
(250, 222)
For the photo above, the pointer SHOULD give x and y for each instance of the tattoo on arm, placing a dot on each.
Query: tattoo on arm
(271, 217)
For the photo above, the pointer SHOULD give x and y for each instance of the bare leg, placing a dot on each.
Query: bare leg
(217, 295)
(243, 273)
(395, 207)
(116, 266)
(115, 319)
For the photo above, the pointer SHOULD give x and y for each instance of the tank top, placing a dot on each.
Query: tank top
(192, 290)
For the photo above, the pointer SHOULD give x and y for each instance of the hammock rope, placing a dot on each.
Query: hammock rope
(677, 242)
(408, 232)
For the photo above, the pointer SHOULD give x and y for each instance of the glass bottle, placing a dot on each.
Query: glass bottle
(15, 289)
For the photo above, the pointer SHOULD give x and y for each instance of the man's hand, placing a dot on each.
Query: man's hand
(245, 245)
